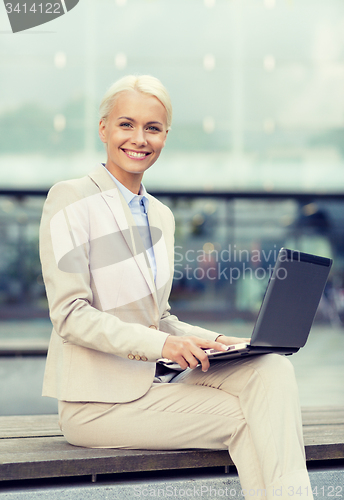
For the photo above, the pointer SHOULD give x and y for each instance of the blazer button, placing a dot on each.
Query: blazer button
(131, 356)
(153, 327)
(143, 358)
(137, 357)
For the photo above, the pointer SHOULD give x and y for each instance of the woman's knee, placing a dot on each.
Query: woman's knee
(275, 369)
(274, 363)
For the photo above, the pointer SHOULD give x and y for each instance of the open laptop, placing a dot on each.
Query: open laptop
(288, 308)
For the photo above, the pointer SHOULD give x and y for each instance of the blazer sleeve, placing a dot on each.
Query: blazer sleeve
(70, 294)
(170, 324)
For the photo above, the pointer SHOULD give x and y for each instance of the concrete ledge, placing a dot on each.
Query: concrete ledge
(325, 483)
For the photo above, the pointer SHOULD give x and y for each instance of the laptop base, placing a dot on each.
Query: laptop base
(251, 351)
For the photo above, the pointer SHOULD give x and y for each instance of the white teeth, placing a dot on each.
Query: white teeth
(135, 155)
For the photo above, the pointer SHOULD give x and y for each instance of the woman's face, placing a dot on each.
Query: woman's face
(135, 133)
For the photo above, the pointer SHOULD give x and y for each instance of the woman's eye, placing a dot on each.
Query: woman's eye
(125, 124)
(153, 129)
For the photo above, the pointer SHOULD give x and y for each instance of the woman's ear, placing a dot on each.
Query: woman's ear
(165, 137)
(102, 131)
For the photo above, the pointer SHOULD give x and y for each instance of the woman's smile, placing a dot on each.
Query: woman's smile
(135, 155)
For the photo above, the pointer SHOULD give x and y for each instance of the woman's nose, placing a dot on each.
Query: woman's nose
(138, 137)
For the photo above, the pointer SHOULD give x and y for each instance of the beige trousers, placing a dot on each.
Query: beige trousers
(249, 406)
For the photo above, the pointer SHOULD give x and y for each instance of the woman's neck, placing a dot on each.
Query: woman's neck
(129, 180)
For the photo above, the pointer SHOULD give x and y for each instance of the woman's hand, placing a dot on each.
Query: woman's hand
(188, 351)
(232, 340)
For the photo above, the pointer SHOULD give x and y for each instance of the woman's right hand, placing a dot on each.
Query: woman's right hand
(188, 351)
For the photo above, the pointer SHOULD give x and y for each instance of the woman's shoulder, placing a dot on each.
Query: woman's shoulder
(68, 192)
(73, 188)
(72, 184)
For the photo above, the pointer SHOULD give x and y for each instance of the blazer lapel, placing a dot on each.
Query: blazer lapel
(163, 265)
(125, 221)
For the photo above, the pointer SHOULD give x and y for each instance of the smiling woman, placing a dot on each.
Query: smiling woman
(107, 250)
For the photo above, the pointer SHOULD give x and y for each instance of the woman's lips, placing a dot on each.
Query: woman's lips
(136, 155)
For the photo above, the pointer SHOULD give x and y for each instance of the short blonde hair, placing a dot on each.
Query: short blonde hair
(145, 84)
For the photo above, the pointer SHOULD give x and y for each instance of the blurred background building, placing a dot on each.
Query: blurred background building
(254, 160)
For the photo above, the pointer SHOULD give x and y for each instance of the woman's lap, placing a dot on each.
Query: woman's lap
(169, 416)
(197, 410)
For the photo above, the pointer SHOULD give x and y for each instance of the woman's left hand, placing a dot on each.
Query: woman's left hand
(232, 340)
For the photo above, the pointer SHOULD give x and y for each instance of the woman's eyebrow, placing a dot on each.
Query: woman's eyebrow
(150, 123)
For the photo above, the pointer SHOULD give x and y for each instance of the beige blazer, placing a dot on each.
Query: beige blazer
(110, 319)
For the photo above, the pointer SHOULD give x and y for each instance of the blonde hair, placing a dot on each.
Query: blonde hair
(145, 84)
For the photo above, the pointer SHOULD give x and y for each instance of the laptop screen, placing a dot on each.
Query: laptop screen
(291, 299)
